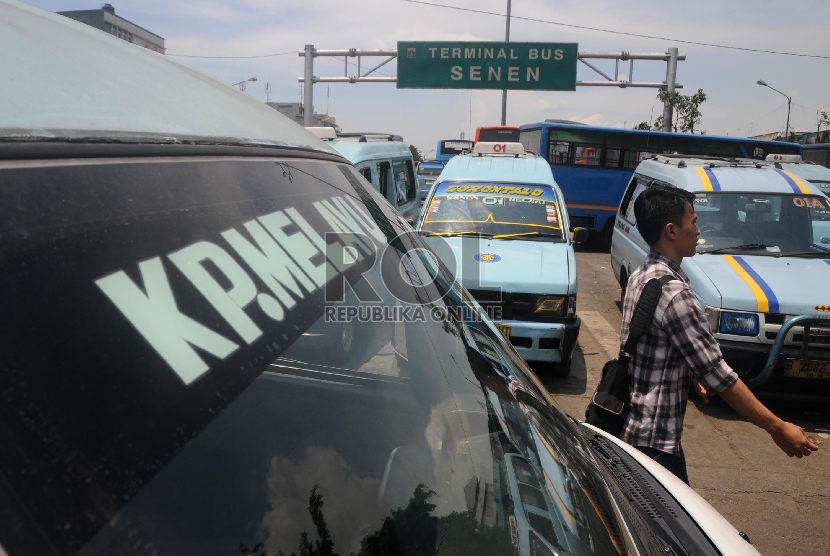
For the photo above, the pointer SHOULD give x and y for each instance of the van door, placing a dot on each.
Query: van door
(384, 179)
(406, 188)
(628, 249)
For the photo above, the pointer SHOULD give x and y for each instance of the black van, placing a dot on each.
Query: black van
(166, 245)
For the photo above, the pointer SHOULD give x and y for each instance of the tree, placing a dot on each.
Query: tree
(643, 125)
(686, 109)
(416, 154)
(823, 120)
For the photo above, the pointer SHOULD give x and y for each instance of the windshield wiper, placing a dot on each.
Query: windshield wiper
(500, 236)
(816, 254)
(743, 247)
(460, 233)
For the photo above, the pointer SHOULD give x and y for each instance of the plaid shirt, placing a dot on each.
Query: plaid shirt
(678, 342)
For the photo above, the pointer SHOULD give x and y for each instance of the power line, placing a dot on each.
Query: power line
(619, 32)
(235, 57)
(762, 117)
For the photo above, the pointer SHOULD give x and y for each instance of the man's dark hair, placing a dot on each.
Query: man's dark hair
(657, 206)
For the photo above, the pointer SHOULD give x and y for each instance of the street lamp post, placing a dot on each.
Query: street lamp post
(789, 105)
(242, 84)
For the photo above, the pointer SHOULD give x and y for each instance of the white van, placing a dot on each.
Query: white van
(385, 161)
(763, 260)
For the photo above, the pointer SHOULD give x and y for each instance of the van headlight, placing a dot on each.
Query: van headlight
(741, 324)
(555, 305)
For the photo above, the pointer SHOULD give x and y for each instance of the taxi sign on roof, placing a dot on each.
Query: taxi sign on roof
(783, 158)
(498, 148)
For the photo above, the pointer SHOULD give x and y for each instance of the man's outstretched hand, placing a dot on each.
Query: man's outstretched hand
(793, 440)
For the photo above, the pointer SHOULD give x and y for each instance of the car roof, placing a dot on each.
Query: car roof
(700, 174)
(357, 151)
(499, 168)
(807, 170)
(67, 80)
(434, 163)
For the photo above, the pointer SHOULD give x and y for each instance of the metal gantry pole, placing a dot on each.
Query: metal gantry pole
(504, 91)
(308, 86)
(671, 77)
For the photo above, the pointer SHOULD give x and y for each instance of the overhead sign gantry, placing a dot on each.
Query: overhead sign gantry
(489, 65)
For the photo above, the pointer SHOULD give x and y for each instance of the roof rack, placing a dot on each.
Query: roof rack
(365, 137)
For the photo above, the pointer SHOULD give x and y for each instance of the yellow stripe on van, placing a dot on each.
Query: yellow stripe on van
(707, 183)
(804, 189)
(760, 296)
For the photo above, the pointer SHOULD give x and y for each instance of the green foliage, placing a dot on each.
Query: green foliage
(823, 120)
(416, 154)
(642, 125)
(686, 108)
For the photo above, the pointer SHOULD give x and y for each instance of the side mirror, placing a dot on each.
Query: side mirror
(579, 235)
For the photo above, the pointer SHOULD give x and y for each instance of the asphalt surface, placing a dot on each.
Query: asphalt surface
(782, 503)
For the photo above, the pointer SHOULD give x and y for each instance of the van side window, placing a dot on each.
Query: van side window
(384, 170)
(411, 182)
(638, 185)
(402, 181)
(366, 173)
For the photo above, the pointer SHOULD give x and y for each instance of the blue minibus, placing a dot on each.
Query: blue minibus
(448, 148)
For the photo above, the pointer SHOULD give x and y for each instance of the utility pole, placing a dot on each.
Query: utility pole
(504, 92)
(308, 86)
(671, 77)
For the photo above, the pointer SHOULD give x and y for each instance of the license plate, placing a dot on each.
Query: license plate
(504, 329)
(809, 369)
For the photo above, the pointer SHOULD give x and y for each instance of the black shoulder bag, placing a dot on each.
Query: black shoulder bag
(608, 407)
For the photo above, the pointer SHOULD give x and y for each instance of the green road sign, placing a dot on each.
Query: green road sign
(487, 65)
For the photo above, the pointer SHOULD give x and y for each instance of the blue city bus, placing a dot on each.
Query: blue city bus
(448, 148)
(593, 165)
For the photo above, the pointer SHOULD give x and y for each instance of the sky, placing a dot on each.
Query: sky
(241, 36)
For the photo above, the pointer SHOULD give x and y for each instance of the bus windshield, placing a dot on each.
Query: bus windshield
(503, 211)
(448, 148)
(763, 224)
(497, 134)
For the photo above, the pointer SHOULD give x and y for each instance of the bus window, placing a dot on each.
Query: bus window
(531, 140)
(612, 157)
(559, 153)
(586, 155)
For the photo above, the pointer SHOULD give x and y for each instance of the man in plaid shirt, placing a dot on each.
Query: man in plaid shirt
(678, 350)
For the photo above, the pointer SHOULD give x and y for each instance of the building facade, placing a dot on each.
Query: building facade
(106, 20)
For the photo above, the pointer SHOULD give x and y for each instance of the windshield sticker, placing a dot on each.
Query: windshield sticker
(287, 254)
(487, 257)
(808, 202)
(551, 212)
(538, 192)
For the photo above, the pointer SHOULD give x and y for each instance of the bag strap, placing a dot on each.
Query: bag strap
(644, 311)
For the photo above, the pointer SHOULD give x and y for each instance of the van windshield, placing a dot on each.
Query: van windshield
(763, 223)
(495, 209)
(213, 357)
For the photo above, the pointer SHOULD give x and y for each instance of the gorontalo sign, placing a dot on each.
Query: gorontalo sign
(487, 65)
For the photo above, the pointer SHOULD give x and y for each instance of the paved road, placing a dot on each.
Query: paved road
(783, 504)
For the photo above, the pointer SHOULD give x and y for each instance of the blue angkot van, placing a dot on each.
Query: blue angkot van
(496, 218)
(762, 264)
